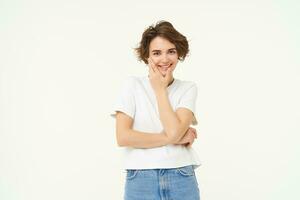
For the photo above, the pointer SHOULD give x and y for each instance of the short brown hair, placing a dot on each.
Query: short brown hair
(165, 30)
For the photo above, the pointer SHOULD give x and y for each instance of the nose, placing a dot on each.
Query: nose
(165, 58)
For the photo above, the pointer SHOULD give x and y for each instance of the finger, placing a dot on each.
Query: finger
(194, 131)
(191, 128)
(196, 134)
(168, 74)
(150, 65)
(153, 66)
(150, 68)
(191, 143)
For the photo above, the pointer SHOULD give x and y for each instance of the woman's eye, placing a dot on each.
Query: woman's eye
(172, 52)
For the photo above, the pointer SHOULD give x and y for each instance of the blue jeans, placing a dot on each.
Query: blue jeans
(162, 184)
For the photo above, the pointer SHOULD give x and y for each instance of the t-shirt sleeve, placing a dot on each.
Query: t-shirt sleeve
(125, 101)
(188, 100)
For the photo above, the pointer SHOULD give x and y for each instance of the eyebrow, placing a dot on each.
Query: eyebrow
(168, 49)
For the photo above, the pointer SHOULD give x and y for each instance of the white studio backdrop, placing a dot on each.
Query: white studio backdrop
(63, 62)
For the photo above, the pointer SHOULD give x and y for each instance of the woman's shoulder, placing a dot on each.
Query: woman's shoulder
(186, 83)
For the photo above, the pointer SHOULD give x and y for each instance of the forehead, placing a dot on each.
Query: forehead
(160, 43)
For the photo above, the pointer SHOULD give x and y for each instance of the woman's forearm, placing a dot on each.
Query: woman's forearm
(138, 139)
(168, 117)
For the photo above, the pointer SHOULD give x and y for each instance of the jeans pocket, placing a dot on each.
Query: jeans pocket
(131, 173)
(186, 171)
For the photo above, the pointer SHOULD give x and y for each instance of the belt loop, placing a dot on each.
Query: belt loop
(161, 172)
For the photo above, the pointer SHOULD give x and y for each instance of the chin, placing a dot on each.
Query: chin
(163, 74)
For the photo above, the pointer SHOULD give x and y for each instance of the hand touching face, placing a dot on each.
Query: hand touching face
(157, 80)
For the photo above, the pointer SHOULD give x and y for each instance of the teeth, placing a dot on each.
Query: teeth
(164, 66)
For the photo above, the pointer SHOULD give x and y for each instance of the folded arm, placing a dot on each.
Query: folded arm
(126, 136)
(175, 123)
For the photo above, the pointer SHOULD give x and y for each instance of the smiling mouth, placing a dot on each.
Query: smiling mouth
(164, 67)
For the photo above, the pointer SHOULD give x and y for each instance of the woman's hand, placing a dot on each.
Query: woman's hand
(157, 80)
(188, 138)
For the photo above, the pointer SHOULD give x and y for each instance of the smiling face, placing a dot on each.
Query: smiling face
(163, 53)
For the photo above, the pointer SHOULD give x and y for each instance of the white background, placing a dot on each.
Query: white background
(63, 62)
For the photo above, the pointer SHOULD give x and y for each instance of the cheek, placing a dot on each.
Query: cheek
(175, 61)
(155, 60)
(175, 58)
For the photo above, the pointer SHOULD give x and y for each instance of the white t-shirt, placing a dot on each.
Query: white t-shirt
(137, 100)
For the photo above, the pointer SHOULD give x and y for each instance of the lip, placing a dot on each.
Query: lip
(164, 67)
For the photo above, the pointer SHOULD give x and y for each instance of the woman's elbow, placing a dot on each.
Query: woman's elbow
(122, 139)
(120, 142)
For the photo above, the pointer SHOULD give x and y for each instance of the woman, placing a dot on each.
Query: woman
(153, 118)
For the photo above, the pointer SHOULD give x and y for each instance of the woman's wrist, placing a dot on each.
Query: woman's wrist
(160, 92)
(168, 139)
